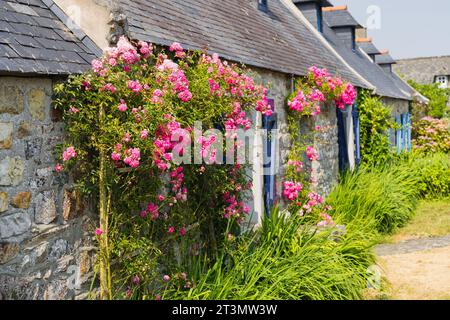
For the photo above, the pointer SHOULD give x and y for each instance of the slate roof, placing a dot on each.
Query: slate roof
(384, 59)
(384, 84)
(340, 18)
(368, 47)
(238, 31)
(34, 40)
(325, 3)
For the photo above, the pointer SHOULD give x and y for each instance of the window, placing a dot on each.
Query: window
(262, 5)
(443, 81)
(319, 17)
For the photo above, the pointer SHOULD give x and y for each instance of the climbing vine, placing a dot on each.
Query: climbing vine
(317, 89)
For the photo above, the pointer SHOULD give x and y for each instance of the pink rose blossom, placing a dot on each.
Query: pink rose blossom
(58, 167)
(144, 134)
(175, 47)
(311, 153)
(69, 153)
(122, 106)
(134, 86)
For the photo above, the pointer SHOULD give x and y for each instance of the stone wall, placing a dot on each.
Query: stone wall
(45, 245)
(325, 171)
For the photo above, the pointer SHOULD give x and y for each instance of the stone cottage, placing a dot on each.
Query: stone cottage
(43, 236)
(272, 37)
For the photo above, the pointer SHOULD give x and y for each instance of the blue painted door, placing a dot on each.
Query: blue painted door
(356, 131)
(342, 141)
(268, 124)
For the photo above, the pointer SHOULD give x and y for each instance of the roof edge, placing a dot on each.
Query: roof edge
(297, 13)
(73, 27)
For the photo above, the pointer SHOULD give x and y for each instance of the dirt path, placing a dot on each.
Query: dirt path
(417, 268)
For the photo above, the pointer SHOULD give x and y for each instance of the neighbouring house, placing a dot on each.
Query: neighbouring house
(426, 70)
(44, 237)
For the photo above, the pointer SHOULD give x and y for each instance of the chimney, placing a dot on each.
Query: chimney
(312, 10)
(342, 23)
(361, 32)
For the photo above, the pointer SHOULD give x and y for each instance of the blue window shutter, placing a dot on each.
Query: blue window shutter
(356, 130)
(404, 132)
(408, 121)
(269, 123)
(342, 141)
(398, 135)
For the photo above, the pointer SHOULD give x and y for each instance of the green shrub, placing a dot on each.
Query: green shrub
(438, 107)
(375, 121)
(432, 172)
(285, 259)
(376, 198)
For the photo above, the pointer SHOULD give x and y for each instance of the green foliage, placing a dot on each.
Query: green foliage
(379, 198)
(375, 121)
(439, 98)
(384, 197)
(286, 259)
(432, 172)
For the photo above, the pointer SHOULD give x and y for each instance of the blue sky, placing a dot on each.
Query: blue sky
(408, 28)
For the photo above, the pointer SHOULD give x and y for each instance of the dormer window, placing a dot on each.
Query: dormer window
(442, 81)
(319, 17)
(262, 5)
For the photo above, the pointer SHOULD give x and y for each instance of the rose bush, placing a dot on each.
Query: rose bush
(432, 135)
(128, 121)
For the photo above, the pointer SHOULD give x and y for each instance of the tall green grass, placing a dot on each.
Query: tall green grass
(384, 197)
(376, 198)
(433, 173)
(286, 259)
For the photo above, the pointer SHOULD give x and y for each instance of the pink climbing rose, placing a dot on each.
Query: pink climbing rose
(175, 47)
(311, 153)
(69, 153)
(291, 189)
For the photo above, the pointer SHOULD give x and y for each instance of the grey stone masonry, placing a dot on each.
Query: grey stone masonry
(45, 234)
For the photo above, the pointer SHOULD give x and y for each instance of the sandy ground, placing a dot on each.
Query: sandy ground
(419, 275)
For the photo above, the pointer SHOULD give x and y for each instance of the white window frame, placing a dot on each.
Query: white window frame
(442, 81)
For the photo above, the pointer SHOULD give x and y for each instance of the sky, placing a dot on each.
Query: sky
(407, 28)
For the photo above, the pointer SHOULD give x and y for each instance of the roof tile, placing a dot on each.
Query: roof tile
(33, 40)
